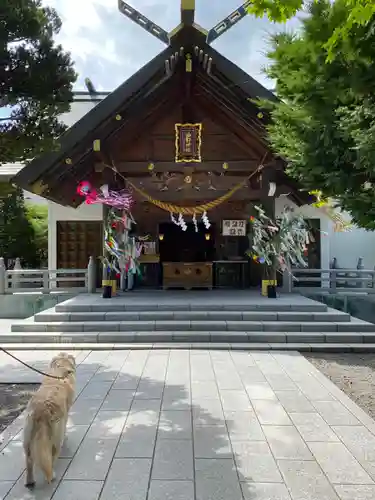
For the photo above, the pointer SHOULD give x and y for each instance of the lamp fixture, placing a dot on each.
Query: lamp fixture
(161, 236)
(207, 236)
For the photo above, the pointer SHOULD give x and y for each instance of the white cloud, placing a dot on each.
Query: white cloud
(107, 47)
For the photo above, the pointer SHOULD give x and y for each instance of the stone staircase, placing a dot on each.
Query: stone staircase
(193, 318)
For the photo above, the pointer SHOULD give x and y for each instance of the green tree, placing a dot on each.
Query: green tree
(17, 236)
(36, 79)
(358, 13)
(37, 215)
(324, 123)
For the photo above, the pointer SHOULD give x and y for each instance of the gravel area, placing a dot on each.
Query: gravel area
(353, 373)
(13, 400)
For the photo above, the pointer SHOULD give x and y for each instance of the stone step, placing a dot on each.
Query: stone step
(209, 326)
(331, 315)
(244, 346)
(151, 337)
(121, 306)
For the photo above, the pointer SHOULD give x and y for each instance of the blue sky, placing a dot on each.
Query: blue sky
(107, 47)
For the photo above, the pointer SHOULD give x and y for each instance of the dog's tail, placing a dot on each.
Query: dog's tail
(41, 445)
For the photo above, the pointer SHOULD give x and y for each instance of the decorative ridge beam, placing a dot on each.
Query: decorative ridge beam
(229, 21)
(187, 12)
(143, 21)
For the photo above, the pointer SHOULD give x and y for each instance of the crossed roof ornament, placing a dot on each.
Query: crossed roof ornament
(187, 18)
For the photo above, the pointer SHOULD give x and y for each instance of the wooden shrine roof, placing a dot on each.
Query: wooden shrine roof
(150, 90)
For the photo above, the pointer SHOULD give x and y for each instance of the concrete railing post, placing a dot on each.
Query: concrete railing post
(16, 283)
(3, 277)
(360, 267)
(287, 282)
(91, 276)
(46, 281)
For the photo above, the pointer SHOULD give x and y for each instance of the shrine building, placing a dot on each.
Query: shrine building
(182, 132)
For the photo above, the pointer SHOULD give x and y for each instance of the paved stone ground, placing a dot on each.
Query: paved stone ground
(200, 425)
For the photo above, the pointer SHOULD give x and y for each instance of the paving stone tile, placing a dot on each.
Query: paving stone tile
(335, 413)
(216, 468)
(108, 424)
(286, 443)
(73, 438)
(177, 398)
(145, 405)
(214, 489)
(255, 462)
(355, 492)
(12, 461)
(229, 381)
(306, 481)
(260, 390)
(313, 390)
(235, 400)
(78, 490)
(208, 412)
(204, 390)
(251, 373)
(171, 490)
(125, 381)
(281, 382)
(95, 390)
(147, 390)
(270, 412)
(264, 491)
(312, 427)
(92, 460)
(42, 490)
(118, 400)
(175, 425)
(294, 401)
(212, 442)
(202, 372)
(127, 479)
(339, 464)
(173, 460)
(137, 442)
(359, 441)
(5, 486)
(243, 426)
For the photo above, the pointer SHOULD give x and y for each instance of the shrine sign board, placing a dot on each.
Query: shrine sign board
(234, 227)
(188, 142)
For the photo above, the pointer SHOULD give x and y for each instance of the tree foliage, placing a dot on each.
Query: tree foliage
(17, 236)
(36, 78)
(324, 124)
(37, 215)
(358, 13)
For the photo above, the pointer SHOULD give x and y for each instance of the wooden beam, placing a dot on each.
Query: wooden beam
(227, 99)
(83, 161)
(242, 166)
(238, 129)
(187, 12)
(192, 197)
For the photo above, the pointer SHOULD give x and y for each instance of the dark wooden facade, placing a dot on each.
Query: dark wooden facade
(187, 82)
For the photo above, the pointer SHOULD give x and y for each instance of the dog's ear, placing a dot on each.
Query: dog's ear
(72, 359)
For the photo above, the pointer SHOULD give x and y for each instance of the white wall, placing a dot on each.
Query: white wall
(77, 110)
(310, 212)
(59, 213)
(349, 246)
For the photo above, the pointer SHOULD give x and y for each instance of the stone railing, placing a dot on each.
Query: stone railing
(20, 280)
(330, 281)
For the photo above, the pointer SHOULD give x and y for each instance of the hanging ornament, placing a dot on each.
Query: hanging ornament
(195, 223)
(205, 220)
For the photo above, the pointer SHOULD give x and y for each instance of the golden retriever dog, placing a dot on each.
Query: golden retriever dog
(47, 416)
